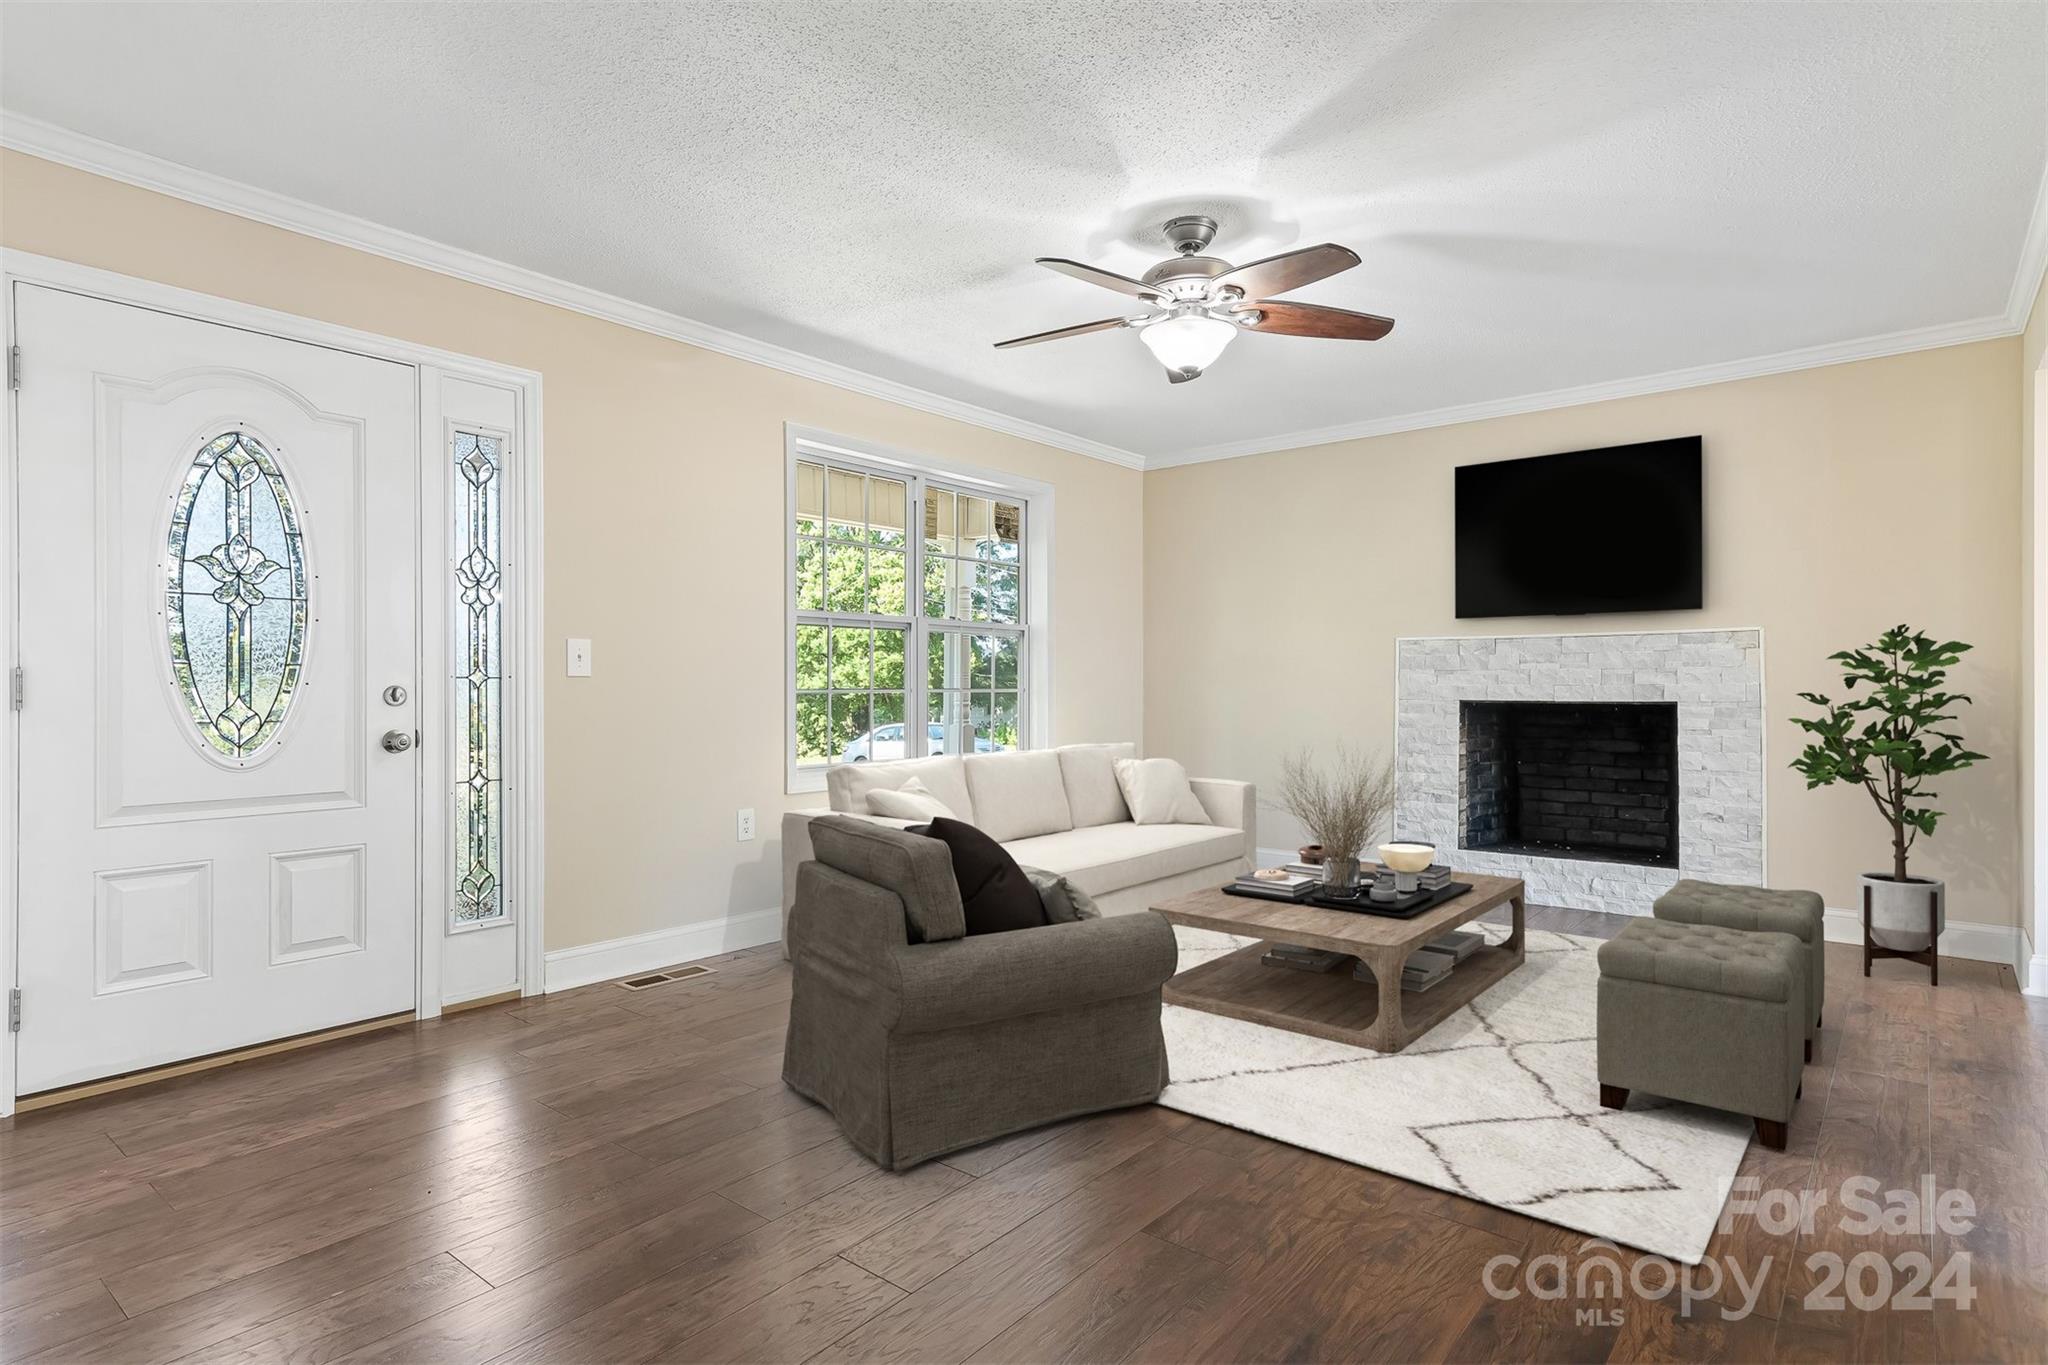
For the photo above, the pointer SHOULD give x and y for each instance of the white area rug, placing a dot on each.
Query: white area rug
(1499, 1103)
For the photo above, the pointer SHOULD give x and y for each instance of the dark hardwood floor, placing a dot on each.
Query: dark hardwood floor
(618, 1176)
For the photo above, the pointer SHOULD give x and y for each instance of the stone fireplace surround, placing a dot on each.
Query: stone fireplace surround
(1715, 679)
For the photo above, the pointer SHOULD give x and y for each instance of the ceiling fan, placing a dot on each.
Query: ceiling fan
(1200, 302)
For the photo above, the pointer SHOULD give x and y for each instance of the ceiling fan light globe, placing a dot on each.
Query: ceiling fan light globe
(1189, 342)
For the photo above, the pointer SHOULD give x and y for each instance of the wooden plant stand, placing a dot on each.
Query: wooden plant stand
(1926, 957)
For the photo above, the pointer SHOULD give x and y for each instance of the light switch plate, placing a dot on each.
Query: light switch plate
(579, 658)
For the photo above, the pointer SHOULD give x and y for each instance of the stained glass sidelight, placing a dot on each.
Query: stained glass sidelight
(479, 680)
(235, 595)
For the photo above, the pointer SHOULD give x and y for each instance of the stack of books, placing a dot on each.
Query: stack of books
(1301, 959)
(1275, 884)
(1435, 877)
(1459, 943)
(1425, 968)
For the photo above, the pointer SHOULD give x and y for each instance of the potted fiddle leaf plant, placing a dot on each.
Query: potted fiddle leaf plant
(1342, 805)
(1893, 734)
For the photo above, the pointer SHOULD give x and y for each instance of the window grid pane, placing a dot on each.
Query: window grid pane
(479, 678)
(855, 565)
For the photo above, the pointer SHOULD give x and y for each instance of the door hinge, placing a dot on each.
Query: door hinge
(14, 1010)
(14, 367)
(14, 690)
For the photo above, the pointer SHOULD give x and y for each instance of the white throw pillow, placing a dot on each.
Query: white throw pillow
(911, 801)
(1157, 791)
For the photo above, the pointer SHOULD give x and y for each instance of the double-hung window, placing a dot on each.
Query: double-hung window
(911, 629)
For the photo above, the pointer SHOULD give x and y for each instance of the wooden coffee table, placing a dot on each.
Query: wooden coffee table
(1333, 1005)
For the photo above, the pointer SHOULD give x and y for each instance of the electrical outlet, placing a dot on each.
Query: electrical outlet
(745, 824)
(579, 658)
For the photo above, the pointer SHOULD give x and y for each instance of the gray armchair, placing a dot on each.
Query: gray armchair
(921, 1041)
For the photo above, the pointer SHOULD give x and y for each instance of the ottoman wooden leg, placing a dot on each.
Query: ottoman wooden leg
(1771, 1133)
(1809, 1049)
(1614, 1096)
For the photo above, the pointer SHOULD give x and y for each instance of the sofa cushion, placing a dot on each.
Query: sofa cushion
(995, 895)
(918, 870)
(1105, 858)
(1017, 795)
(848, 784)
(1089, 771)
(911, 801)
(1157, 791)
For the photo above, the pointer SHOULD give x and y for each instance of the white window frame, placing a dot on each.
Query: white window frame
(808, 445)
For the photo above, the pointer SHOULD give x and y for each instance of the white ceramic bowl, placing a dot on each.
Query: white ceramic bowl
(1407, 857)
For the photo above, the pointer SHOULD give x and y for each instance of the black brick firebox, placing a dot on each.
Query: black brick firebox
(1570, 779)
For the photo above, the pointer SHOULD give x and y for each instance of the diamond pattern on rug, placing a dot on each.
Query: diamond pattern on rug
(1499, 1103)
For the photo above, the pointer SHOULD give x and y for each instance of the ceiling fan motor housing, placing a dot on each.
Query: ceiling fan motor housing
(1190, 233)
(1186, 277)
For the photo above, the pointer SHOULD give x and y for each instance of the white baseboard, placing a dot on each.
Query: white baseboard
(2036, 980)
(2002, 943)
(568, 968)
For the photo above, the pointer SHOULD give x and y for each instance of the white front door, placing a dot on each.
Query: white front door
(218, 583)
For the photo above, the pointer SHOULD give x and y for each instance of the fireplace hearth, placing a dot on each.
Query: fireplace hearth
(1586, 780)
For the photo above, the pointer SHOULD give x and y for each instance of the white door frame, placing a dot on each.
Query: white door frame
(435, 370)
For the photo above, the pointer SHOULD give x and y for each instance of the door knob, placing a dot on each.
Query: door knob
(396, 741)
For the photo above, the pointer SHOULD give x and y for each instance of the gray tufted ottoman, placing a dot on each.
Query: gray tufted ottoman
(1798, 913)
(1706, 1015)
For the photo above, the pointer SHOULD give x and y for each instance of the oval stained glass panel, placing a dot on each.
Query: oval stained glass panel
(235, 597)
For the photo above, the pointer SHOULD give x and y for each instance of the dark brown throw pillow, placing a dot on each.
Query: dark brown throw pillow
(994, 891)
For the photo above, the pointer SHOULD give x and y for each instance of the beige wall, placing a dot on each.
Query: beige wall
(1823, 487)
(2034, 640)
(664, 542)
(1840, 501)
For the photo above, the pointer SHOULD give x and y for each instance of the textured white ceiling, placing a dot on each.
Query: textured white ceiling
(1545, 195)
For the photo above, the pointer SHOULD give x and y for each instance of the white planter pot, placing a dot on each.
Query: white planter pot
(1898, 910)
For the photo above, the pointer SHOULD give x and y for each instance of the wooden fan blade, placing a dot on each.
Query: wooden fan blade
(1078, 329)
(1108, 279)
(1289, 270)
(1314, 320)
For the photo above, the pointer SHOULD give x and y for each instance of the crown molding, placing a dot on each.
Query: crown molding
(1806, 358)
(52, 143)
(2026, 281)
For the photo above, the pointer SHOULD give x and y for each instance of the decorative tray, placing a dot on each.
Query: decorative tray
(1406, 907)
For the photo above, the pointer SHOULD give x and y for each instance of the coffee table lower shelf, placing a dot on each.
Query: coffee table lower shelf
(1333, 1004)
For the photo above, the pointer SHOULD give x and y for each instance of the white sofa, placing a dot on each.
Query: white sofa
(1057, 809)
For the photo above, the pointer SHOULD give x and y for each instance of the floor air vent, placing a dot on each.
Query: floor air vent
(652, 979)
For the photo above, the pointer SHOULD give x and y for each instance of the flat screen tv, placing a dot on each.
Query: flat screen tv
(1614, 529)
